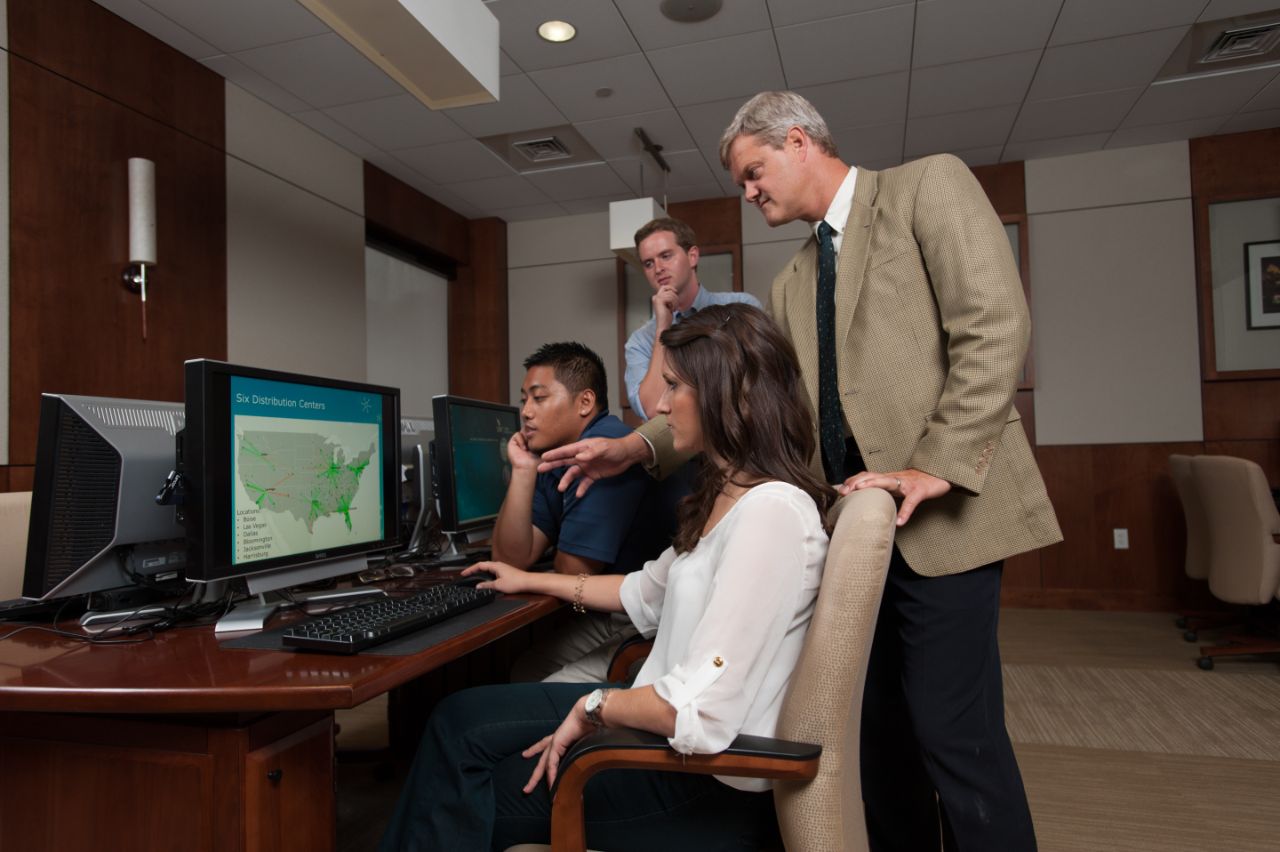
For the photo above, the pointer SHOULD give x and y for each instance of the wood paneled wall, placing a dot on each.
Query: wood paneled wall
(86, 92)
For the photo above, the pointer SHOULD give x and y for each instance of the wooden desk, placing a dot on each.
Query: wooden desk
(178, 743)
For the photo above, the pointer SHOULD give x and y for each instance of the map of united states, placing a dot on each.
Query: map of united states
(300, 473)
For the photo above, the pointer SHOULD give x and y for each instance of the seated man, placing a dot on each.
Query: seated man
(669, 255)
(564, 399)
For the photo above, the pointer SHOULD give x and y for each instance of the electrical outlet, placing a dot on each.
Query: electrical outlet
(1120, 536)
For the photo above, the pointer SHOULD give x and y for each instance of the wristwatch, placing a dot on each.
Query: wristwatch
(595, 706)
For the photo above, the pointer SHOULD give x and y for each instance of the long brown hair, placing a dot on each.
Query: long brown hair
(747, 380)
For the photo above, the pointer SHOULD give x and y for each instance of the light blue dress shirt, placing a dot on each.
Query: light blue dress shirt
(639, 347)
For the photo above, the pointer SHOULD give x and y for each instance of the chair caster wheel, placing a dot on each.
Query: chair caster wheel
(1181, 622)
(1205, 663)
(1190, 636)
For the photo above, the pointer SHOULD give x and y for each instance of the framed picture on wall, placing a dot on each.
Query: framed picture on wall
(1262, 284)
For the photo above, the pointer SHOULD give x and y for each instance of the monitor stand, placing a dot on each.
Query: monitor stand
(253, 615)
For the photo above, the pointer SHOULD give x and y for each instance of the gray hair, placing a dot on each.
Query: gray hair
(769, 116)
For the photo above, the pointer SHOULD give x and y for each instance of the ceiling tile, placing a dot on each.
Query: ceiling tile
(1085, 20)
(1074, 116)
(400, 121)
(852, 46)
(865, 144)
(644, 176)
(858, 103)
(980, 156)
(1252, 121)
(602, 32)
(235, 25)
(1054, 147)
(573, 89)
(976, 84)
(956, 30)
(1197, 98)
(707, 122)
(454, 162)
(586, 181)
(325, 125)
(737, 66)
(579, 206)
(961, 131)
(1127, 137)
(654, 31)
(322, 70)
(1233, 8)
(1104, 65)
(507, 66)
(146, 18)
(697, 192)
(463, 208)
(616, 137)
(497, 193)
(1267, 98)
(787, 12)
(533, 211)
(255, 84)
(521, 107)
(401, 171)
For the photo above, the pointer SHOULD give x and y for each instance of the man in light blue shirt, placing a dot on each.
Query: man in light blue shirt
(669, 254)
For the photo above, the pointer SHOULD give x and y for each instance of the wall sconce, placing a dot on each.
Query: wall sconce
(142, 229)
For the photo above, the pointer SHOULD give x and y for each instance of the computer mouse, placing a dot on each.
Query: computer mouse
(473, 579)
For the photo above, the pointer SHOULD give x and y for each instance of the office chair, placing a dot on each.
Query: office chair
(1197, 555)
(818, 790)
(1244, 557)
(15, 513)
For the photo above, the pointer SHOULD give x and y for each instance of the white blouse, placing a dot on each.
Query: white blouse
(731, 617)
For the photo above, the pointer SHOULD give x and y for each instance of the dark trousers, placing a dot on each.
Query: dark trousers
(937, 765)
(464, 791)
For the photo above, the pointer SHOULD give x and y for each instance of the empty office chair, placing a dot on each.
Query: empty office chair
(1197, 555)
(1244, 557)
(15, 512)
(819, 800)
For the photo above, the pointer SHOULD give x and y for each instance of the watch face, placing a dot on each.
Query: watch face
(593, 701)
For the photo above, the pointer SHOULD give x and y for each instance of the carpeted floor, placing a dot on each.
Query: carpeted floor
(1123, 743)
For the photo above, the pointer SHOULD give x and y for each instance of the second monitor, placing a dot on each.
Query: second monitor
(470, 464)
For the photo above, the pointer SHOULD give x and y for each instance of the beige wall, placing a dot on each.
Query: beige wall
(295, 245)
(1114, 297)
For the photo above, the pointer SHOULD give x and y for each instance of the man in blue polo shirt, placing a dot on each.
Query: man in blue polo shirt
(614, 528)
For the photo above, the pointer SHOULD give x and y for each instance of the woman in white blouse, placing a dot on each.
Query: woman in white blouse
(729, 602)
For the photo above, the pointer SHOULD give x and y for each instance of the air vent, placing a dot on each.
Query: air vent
(1243, 43)
(136, 418)
(1213, 48)
(543, 150)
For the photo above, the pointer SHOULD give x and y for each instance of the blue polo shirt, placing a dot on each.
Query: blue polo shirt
(622, 521)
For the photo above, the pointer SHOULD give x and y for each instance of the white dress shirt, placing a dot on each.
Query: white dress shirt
(731, 617)
(838, 213)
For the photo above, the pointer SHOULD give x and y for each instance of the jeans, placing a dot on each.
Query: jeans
(464, 791)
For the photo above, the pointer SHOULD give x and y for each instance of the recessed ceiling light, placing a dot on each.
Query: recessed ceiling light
(557, 31)
(604, 92)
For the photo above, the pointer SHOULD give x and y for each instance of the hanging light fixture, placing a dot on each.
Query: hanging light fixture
(627, 217)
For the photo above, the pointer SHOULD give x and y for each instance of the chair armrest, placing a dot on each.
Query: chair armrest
(625, 748)
(629, 652)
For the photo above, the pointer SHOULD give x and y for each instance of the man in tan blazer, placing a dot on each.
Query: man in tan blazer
(913, 388)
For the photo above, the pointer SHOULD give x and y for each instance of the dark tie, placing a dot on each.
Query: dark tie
(830, 420)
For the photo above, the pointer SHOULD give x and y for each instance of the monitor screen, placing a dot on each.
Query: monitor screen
(471, 466)
(285, 470)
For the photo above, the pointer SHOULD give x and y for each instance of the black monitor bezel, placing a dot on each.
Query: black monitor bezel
(208, 502)
(442, 463)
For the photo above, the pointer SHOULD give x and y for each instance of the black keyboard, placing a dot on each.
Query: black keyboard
(356, 628)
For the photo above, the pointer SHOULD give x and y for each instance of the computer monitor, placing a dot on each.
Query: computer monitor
(417, 507)
(95, 525)
(470, 465)
(290, 479)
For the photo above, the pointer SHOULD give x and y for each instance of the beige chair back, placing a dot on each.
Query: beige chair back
(1244, 558)
(1197, 559)
(824, 704)
(15, 512)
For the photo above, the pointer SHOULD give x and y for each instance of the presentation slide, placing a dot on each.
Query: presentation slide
(307, 472)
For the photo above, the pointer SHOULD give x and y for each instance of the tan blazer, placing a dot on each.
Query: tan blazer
(931, 329)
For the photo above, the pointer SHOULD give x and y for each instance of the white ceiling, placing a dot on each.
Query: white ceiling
(989, 80)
